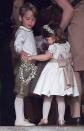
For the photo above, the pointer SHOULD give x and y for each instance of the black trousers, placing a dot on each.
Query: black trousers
(7, 113)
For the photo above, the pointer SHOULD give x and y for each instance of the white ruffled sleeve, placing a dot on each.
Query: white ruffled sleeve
(19, 41)
(52, 49)
(67, 46)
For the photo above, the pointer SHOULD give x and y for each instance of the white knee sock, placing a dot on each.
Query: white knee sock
(46, 107)
(19, 109)
(61, 107)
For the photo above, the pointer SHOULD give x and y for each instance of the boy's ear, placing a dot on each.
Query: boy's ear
(20, 18)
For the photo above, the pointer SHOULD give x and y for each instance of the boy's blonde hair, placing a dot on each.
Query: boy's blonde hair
(27, 6)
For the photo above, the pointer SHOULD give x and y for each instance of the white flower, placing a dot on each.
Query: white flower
(47, 28)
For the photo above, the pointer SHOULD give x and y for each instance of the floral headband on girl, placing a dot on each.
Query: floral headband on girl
(47, 28)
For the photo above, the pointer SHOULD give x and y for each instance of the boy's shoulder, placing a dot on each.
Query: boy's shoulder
(20, 31)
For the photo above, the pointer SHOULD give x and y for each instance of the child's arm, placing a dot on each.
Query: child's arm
(19, 41)
(43, 57)
(18, 45)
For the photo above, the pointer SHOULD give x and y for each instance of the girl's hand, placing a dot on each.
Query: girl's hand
(30, 58)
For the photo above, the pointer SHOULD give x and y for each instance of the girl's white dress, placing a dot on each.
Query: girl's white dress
(52, 80)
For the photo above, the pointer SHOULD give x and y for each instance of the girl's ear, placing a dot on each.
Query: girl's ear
(56, 38)
(20, 18)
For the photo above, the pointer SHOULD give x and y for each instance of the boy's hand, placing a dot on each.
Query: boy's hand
(24, 56)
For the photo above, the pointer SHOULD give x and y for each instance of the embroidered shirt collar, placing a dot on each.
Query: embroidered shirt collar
(24, 28)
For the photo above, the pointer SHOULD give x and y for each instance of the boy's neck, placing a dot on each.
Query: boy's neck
(25, 28)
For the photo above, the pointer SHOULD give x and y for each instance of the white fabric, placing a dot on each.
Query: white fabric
(19, 109)
(58, 49)
(25, 41)
(61, 108)
(51, 80)
(46, 107)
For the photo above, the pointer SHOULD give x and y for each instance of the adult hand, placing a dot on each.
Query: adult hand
(68, 12)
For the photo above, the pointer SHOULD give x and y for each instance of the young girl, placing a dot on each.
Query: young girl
(24, 46)
(57, 77)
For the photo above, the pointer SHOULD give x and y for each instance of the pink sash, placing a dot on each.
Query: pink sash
(66, 64)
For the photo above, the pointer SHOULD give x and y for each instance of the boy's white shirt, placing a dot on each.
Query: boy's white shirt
(25, 41)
